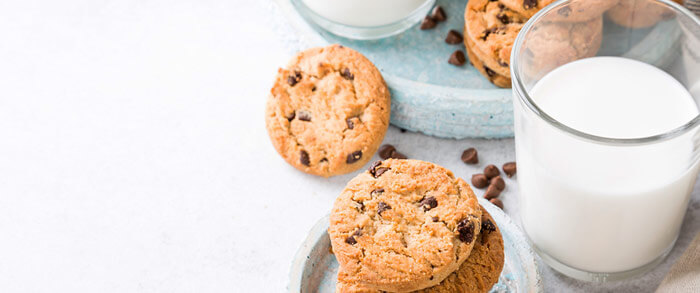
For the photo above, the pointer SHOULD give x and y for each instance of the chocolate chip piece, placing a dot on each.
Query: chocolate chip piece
(564, 11)
(502, 63)
(485, 34)
(290, 116)
(428, 203)
(489, 72)
(503, 18)
(497, 202)
(374, 166)
(510, 169)
(379, 171)
(438, 14)
(350, 124)
(382, 207)
(360, 206)
(470, 156)
(313, 89)
(427, 23)
(358, 232)
(293, 79)
(465, 228)
(435, 219)
(346, 74)
(479, 180)
(303, 115)
(529, 4)
(304, 158)
(457, 58)
(498, 182)
(491, 171)
(492, 192)
(354, 157)
(488, 226)
(377, 191)
(324, 160)
(385, 151)
(454, 37)
(398, 156)
(351, 240)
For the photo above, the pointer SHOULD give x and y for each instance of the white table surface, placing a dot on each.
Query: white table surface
(134, 157)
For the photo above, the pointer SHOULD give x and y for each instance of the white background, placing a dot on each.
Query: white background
(134, 157)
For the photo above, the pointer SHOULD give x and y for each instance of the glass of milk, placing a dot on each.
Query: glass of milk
(364, 19)
(606, 134)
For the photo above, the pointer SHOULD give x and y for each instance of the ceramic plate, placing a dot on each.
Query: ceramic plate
(315, 268)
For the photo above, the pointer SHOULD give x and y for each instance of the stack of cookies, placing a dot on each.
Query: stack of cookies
(409, 225)
(491, 26)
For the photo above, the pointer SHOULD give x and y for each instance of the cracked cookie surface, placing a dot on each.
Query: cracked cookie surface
(403, 225)
(477, 274)
(328, 111)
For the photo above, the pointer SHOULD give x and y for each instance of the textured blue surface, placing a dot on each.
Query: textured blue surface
(428, 94)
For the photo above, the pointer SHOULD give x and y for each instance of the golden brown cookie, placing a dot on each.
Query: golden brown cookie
(493, 77)
(403, 225)
(477, 274)
(328, 111)
(639, 14)
(576, 11)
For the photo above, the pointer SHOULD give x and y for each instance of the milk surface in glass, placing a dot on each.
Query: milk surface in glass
(597, 207)
(364, 12)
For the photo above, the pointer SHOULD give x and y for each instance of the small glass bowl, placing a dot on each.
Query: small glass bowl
(363, 32)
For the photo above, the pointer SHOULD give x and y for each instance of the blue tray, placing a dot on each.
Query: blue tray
(427, 94)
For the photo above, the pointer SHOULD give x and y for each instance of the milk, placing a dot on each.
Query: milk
(602, 208)
(364, 13)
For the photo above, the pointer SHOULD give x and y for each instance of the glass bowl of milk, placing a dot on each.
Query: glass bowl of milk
(364, 19)
(607, 146)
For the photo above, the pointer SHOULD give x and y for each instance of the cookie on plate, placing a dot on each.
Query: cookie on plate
(328, 111)
(639, 14)
(477, 274)
(403, 225)
(492, 76)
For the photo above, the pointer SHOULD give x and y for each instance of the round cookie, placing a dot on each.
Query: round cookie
(574, 11)
(638, 14)
(491, 29)
(328, 111)
(403, 225)
(493, 77)
(477, 274)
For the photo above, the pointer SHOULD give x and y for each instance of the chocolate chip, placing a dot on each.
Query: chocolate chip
(293, 79)
(491, 171)
(398, 156)
(351, 240)
(377, 191)
(374, 166)
(489, 72)
(290, 116)
(454, 37)
(497, 202)
(470, 156)
(492, 192)
(502, 63)
(382, 207)
(435, 219)
(465, 228)
(379, 171)
(498, 182)
(313, 89)
(304, 158)
(428, 203)
(303, 115)
(564, 11)
(350, 124)
(427, 23)
(358, 232)
(488, 226)
(324, 160)
(479, 180)
(510, 169)
(529, 4)
(457, 58)
(385, 151)
(438, 14)
(503, 18)
(485, 34)
(360, 206)
(354, 157)
(346, 74)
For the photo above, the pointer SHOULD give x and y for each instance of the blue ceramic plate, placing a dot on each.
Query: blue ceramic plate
(315, 268)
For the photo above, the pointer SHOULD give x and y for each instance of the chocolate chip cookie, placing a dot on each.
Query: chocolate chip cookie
(403, 225)
(328, 111)
(639, 14)
(477, 274)
(492, 76)
(574, 11)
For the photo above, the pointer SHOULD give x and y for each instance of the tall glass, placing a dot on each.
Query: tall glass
(601, 208)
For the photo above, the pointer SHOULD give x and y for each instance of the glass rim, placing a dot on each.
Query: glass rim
(523, 96)
(372, 27)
